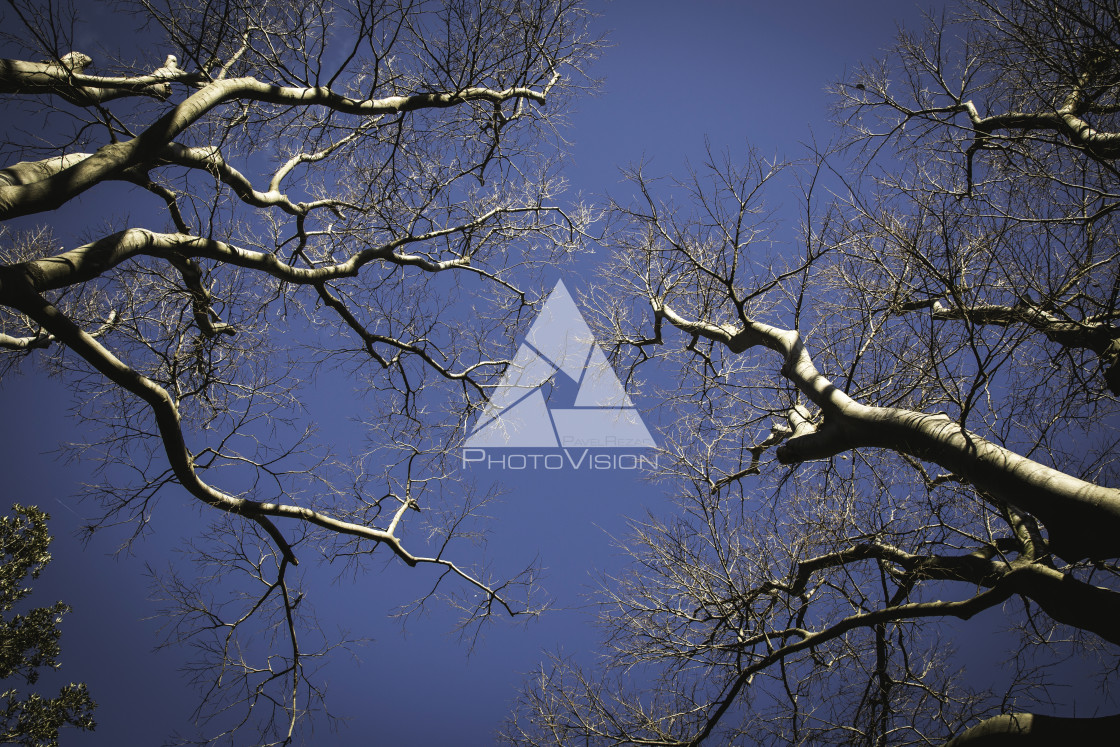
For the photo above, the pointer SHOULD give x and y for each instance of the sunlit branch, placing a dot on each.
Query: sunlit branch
(1083, 518)
(145, 149)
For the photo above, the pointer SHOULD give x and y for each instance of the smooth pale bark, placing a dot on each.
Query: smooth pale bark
(1103, 145)
(91, 260)
(1095, 333)
(1061, 596)
(1083, 519)
(145, 149)
(1030, 730)
(24, 298)
(29, 172)
(210, 159)
(20, 287)
(166, 413)
(1070, 601)
(1064, 598)
(65, 79)
(1066, 119)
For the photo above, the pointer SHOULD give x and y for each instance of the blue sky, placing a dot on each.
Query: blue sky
(676, 73)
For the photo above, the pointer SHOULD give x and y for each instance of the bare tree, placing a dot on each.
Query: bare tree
(377, 179)
(910, 421)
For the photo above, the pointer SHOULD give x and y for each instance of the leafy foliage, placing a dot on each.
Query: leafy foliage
(29, 640)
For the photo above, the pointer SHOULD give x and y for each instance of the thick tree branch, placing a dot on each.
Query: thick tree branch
(1030, 730)
(1062, 596)
(146, 149)
(27, 301)
(963, 610)
(1097, 334)
(91, 260)
(64, 78)
(1083, 518)
(210, 159)
(1101, 145)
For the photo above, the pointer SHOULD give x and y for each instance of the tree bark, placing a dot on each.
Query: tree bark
(1030, 730)
(1083, 519)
